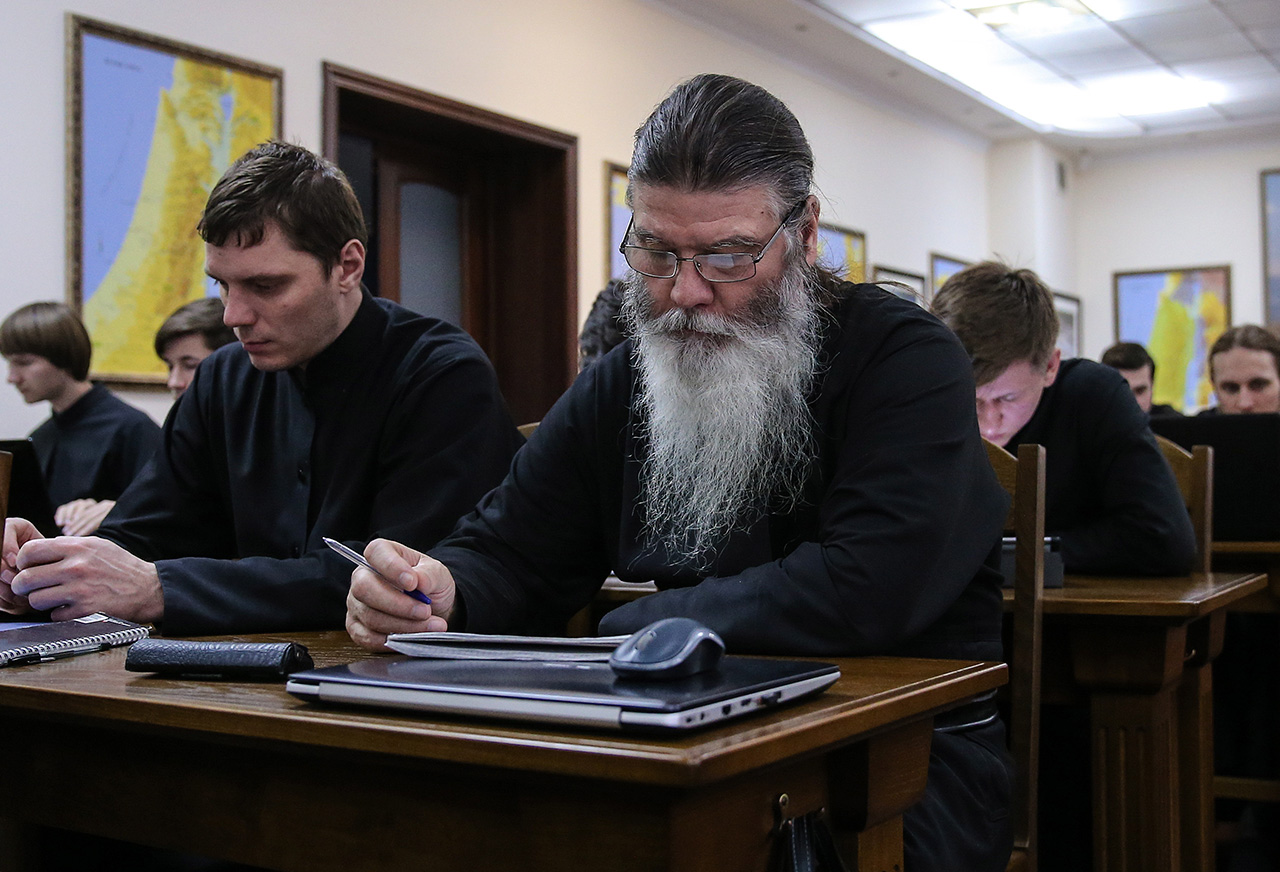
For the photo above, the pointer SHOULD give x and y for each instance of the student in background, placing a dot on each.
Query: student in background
(1111, 497)
(1244, 366)
(1133, 362)
(94, 444)
(603, 329)
(193, 332)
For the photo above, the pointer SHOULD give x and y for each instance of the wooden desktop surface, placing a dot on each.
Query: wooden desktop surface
(249, 773)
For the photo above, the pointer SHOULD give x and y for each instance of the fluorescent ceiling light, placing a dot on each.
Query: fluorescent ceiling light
(976, 44)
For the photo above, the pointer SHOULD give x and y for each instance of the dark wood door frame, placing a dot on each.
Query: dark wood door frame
(530, 260)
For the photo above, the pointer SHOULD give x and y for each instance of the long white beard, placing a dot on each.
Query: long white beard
(724, 400)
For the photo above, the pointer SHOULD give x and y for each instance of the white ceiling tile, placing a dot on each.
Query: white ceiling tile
(1118, 10)
(859, 11)
(1098, 36)
(1261, 107)
(1179, 24)
(1225, 69)
(1181, 119)
(1254, 13)
(1090, 63)
(1255, 88)
(1185, 51)
(1268, 38)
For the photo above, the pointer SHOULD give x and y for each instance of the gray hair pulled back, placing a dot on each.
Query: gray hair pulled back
(719, 133)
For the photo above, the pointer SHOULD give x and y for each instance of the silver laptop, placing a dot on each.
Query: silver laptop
(583, 694)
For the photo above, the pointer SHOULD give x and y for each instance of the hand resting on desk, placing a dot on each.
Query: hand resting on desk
(82, 517)
(75, 576)
(376, 607)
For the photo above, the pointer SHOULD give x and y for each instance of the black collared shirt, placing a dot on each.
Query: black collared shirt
(396, 430)
(94, 449)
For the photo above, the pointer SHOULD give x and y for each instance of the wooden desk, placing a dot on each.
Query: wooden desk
(248, 773)
(1263, 556)
(1140, 650)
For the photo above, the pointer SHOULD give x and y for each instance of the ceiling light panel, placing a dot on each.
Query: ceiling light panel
(1084, 75)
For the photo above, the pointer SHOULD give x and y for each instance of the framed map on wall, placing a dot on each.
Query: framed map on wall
(941, 268)
(617, 216)
(1271, 245)
(843, 252)
(152, 126)
(1177, 314)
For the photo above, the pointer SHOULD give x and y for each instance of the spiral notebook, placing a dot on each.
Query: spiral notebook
(40, 642)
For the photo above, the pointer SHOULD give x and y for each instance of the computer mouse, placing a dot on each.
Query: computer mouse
(666, 649)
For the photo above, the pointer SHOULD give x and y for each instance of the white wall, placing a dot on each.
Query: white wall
(1192, 206)
(592, 68)
(1031, 216)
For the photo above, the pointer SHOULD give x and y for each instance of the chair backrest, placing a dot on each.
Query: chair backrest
(526, 430)
(1024, 478)
(1193, 471)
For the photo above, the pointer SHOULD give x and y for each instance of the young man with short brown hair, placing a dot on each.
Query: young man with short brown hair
(1111, 497)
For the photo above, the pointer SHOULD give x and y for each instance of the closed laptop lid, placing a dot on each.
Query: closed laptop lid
(1246, 469)
(575, 693)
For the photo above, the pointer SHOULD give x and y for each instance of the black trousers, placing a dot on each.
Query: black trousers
(962, 823)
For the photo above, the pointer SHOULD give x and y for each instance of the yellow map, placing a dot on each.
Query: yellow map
(160, 264)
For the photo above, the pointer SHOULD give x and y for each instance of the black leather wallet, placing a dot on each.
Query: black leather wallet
(270, 661)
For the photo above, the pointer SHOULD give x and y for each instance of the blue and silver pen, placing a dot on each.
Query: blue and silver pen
(358, 559)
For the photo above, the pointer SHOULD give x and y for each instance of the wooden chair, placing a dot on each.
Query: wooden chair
(526, 430)
(1024, 478)
(6, 469)
(1194, 473)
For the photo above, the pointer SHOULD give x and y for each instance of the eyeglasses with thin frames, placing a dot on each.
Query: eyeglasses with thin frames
(713, 267)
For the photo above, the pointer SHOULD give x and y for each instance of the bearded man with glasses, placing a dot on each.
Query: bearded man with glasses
(794, 459)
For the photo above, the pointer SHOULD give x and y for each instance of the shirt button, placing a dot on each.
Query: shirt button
(296, 551)
(302, 473)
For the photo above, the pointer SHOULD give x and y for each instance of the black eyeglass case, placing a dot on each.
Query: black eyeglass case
(258, 661)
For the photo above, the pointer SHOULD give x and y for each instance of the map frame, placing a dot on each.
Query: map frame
(139, 338)
(1176, 313)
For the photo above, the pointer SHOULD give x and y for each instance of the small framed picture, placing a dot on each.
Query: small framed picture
(1069, 324)
(908, 285)
(617, 217)
(843, 251)
(1177, 314)
(941, 268)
